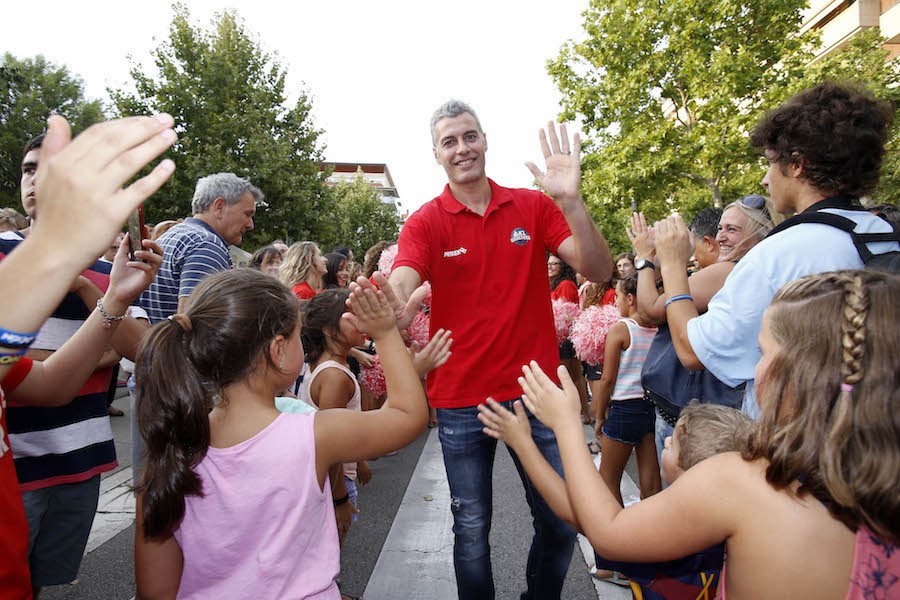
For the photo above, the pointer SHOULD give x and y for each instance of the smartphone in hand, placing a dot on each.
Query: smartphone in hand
(135, 231)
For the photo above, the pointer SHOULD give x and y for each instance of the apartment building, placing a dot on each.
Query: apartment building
(839, 20)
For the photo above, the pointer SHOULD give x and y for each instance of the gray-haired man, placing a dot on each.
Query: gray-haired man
(223, 206)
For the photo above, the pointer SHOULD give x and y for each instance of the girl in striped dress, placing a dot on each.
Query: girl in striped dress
(626, 419)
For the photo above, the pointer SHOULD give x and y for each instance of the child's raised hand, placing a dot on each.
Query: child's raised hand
(371, 312)
(128, 279)
(501, 424)
(551, 405)
(434, 354)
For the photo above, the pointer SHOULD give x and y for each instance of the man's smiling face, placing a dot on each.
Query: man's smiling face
(460, 148)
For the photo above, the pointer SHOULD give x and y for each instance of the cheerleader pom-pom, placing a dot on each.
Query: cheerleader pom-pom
(372, 378)
(386, 260)
(588, 333)
(418, 329)
(426, 301)
(563, 314)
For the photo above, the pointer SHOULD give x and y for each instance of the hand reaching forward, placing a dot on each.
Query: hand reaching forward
(554, 407)
(405, 312)
(371, 312)
(435, 353)
(128, 279)
(501, 424)
(80, 182)
(562, 181)
(641, 236)
(673, 241)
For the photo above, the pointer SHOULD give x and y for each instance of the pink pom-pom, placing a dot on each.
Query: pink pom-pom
(418, 330)
(588, 333)
(386, 260)
(563, 314)
(426, 301)
(372, 378)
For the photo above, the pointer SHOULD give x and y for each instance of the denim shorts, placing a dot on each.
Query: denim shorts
(628, 421)
(353, 494)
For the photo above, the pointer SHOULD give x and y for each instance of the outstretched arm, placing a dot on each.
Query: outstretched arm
(673, 247)
(83, 206)
(58, 379)
(684, 509)
(514, 429)
(586, 249)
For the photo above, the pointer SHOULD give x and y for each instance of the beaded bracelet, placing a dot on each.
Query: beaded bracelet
(108, 318)
(12, 339)
(676, 298)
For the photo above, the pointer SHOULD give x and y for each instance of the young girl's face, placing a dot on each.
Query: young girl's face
(622, 301)
(670, 455)
(271, 265)
(351, 335)
(343, 275)
(769, 348)
(293, 355)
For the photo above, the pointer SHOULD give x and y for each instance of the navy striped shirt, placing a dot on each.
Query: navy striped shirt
(191, 251)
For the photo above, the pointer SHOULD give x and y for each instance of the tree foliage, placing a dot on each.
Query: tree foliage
(668, 91)
(357, 217)
(227, 96)
(31, 89)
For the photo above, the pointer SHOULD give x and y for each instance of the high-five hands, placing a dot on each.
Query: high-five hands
(562, 180)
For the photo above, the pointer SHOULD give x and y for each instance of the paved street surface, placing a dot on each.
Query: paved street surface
(401, 548)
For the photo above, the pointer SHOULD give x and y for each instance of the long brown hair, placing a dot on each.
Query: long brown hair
(182, 366)
(831, 395)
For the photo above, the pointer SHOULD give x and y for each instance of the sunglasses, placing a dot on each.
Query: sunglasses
(753, 201)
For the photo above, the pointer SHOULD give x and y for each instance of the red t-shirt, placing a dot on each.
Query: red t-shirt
(303, 291)
(490, 289)
(609, 297)
(566, 290)
(15, 580)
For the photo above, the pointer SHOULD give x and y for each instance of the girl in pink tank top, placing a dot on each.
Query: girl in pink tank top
(235, 499)
(809, 508)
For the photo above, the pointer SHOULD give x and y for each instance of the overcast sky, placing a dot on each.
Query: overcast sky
(376, 69)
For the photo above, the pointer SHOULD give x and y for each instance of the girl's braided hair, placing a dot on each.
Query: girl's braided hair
(831, 394)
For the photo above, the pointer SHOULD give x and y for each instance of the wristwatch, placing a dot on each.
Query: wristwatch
(643, 263)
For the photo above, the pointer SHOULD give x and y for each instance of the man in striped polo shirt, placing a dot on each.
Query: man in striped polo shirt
(223, 206)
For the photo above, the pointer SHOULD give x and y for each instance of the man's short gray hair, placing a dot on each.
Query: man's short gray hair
(448, 110)
(222, 185)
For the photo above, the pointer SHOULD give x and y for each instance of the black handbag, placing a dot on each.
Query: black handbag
(671, 386)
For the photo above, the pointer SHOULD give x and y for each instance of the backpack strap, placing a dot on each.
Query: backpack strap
(843, 223)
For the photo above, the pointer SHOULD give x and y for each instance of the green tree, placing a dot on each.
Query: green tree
(668, 91)
(227, 96)
(31, 89)
(357, 217)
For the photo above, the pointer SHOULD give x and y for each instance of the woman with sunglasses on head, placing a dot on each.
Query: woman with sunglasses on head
(742, 225)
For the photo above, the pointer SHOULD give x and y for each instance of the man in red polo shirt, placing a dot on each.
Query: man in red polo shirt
(484, 249)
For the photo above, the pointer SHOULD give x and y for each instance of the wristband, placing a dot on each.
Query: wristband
(107, 318)
(11, 358)
(676, 298)
(12, 339)
(343, 500)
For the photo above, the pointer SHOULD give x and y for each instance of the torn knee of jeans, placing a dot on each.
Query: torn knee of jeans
(454, 503)
(447, 430)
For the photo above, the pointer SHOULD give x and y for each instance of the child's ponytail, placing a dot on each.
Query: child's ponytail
(173, 408)
(182, 367)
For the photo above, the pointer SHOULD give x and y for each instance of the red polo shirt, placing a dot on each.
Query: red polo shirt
(490, 288)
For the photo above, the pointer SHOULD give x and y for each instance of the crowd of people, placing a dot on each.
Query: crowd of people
(747, 359)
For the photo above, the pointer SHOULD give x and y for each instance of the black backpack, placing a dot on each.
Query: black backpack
(888, 262)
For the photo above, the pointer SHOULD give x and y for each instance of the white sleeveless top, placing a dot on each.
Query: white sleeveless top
(354, 403)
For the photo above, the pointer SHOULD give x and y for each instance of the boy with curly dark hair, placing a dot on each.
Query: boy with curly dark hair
(825, 147)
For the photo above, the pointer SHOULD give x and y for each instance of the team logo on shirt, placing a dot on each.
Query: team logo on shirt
(519, 236)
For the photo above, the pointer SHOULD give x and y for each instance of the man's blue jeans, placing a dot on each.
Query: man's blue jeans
(469, 460)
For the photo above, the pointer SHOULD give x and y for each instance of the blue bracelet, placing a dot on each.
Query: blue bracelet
(676, 298)
(11, 339)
